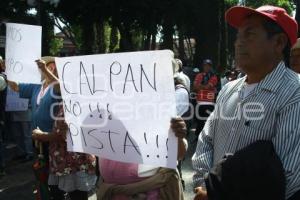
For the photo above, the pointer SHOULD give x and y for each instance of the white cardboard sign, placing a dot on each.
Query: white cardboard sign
(23, 47)
(119, 106)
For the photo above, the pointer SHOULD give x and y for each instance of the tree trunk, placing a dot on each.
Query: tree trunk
(126, 38)
(167, 31)
(87, 36)
(47, 31)
(153, 41)
(190, 50)
(207, 37)
(147, 41)
(181, 46)
(114, 39)
(100, 37)
(222, 40)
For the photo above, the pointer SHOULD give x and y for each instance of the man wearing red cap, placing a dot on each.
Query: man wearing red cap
(264, 105)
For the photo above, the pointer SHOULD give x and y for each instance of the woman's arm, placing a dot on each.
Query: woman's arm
(41, 136)
(179, 127)
(58, 135)
(42, 66)
(182, 148)
(50, 76)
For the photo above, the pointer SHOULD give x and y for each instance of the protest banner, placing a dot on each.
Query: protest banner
(119, 106)
(14, 102)
(23, 47)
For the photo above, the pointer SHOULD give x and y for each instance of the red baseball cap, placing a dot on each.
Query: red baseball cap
(236, 15)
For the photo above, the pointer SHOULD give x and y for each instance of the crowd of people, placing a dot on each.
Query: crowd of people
(247, 125)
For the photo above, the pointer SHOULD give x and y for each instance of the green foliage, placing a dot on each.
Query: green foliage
(286, 4)
(107, 33)
(56, 44)
(114, 25)
(230, 3)
(76, 30)
(114, 43)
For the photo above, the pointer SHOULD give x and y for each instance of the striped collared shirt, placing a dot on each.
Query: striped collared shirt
(270, 112)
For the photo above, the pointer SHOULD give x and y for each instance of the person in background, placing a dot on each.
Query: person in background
(71, 174)
(20, 128)
(126, 181)
(183, 110)
(295, 57)
(185, 79)
(205, 86)
(3, 86)
(181, 95)
(230, 75)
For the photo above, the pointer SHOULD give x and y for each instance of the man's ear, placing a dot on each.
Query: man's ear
(281, 41)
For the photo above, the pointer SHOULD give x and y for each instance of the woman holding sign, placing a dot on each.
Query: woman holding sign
(42, 96)
(71, 174)
(125, 181)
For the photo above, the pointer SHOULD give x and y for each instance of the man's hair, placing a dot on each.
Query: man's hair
(273, 29)
(178, 81)
(179, 62)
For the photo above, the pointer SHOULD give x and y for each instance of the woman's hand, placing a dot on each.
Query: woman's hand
(179, 127)
(38, 135)
(13, 85)
(41, 64)
(201, 194)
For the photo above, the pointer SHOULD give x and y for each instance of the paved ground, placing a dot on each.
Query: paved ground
(187, 171)
(19, 182)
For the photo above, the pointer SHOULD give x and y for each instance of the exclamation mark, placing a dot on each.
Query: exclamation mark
(157, 144)
(109, 116)
(91, 115)
(145, 138)
(167, 145)
(100, 116)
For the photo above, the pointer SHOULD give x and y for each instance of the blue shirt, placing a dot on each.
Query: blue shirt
(42, 113)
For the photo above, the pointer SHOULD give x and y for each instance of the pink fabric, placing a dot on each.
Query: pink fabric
(114, 172)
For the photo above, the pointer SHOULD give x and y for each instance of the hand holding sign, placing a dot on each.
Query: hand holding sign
(179, 127)
(41, 64)
(13, 85)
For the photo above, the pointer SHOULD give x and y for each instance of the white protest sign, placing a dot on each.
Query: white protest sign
(119, 106)
(23, 47)
(14, 102)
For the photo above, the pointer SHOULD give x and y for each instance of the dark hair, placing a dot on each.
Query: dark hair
(178, 81)
(272, 29)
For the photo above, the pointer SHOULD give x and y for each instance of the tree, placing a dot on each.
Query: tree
(297, 17)
(56, 44)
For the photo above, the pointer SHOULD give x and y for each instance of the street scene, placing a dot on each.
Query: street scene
(149, 100)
